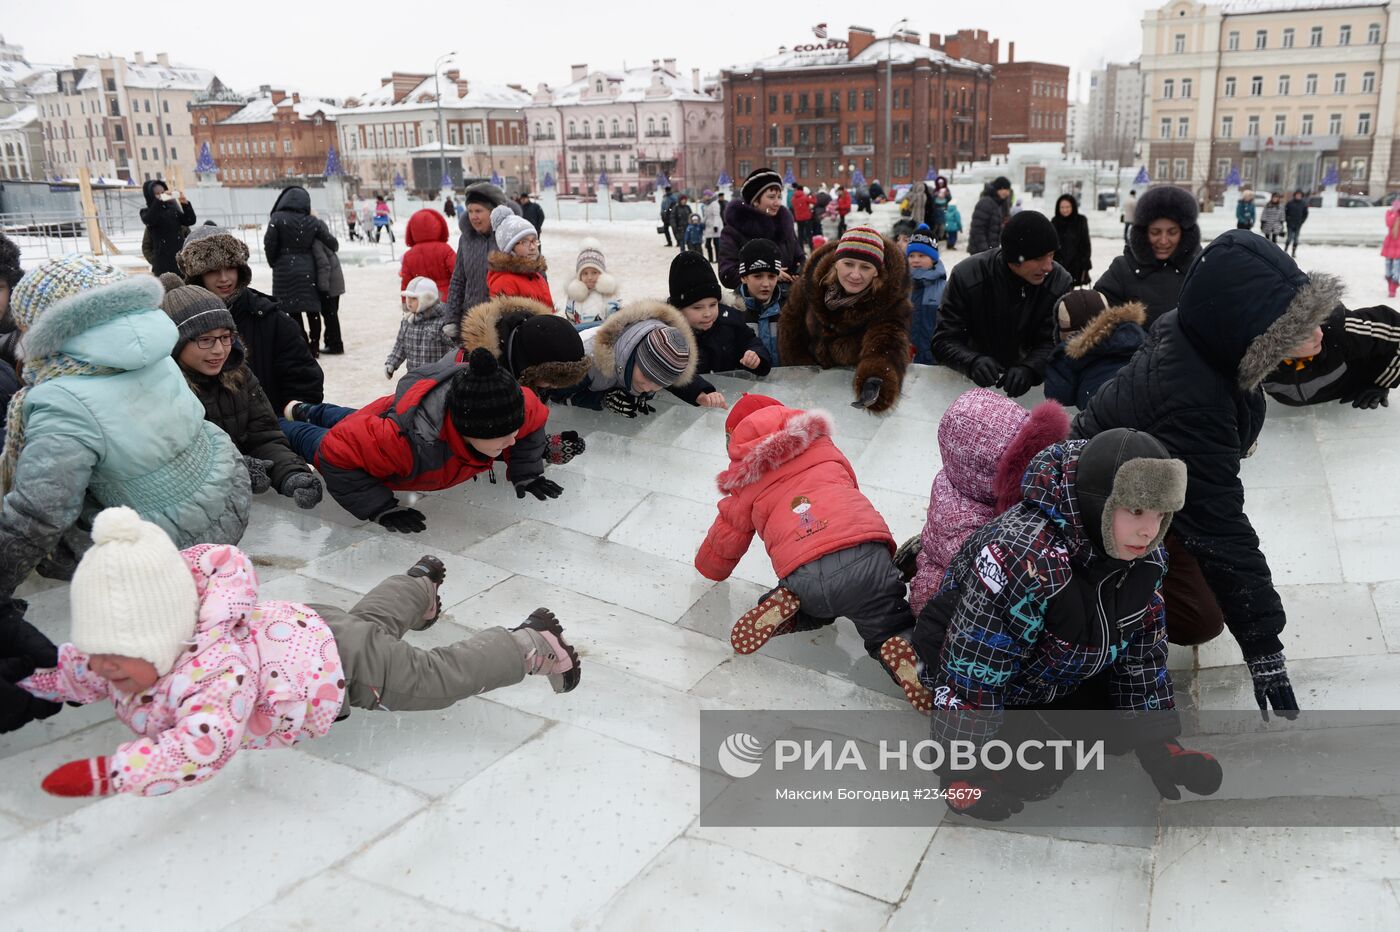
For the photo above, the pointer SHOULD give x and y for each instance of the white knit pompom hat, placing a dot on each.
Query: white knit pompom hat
(510, 228)
(132, 593)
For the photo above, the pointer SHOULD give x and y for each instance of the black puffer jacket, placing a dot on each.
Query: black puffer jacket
(237, 404)
(721, 348)
(988, 217)
(165, 220)
(1195, 387)
(988, 310)
(277, 351)
(743, 223)
(287, 243)
(1076, 250)
(1138, 275)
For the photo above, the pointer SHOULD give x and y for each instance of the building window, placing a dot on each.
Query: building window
(1251, 125)
(1339, 83)
(1179, 43)
(901, 168)
(1283, 83)
(1166, 128)
(787, 103)
(787, 135)
(804, 138)
(850, 100)
(1186, 86)
(851, 133)
(1168, 88)
(1160, 169)
(1183, 127)
(1310, 84)
(601, 134)
(1256, 85)
(835, 101)
(1222, 169)
(772, 103)
(1232, 44)
(1247, 170)
(868, 131)
(1227, 127)
(1373, 34)
(1363, 124)
(1344, 35)
(1368, 82)
(1305, 125)
(867, 100)
(802, 101)
(773, 135)
(1280, 124)
(1261, 38)
(1178, 169)
(1334, 125)
(632, 128)
(651, 126)
(745, 167)
(665, 126)
(1288, 38)
(1315, 37)
(1358, 169)
(597, 87)
(286, 147)
(1229, 87)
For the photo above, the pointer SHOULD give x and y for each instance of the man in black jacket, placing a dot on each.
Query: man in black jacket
(166, 216)
(1244, 306)
(997, 322)
(989, 216)
(532, 212)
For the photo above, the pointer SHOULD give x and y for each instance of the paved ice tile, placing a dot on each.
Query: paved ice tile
(1332, 683)
(1352, 476)
(674, 528)
(703, 886)
(1287, 456)
(22, 771)
(589, 505)
(1336, 421)
(757, 682)
(930, 390)
(268, 819)
(1333, 620)
(326, 510)
(609, 572)
(602, 633)
(975, 878)
(1387, 601)
(903, 457)
(1367, 548)
(1268, 878)
(669, 422)
(360, 567)
(904, 512)
(1295, 530)
(277, 537)
(649, 466)
(547, 834)
(334, 900)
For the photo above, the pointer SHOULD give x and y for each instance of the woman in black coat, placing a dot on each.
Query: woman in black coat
(1072, 230)
(758, 213)
(1162, 243)
(287, 244)
(165, 221)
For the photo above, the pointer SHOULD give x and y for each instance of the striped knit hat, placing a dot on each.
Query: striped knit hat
(590, 256)
(663, 355)
(194, 310)
(862, 243)
(759, 180)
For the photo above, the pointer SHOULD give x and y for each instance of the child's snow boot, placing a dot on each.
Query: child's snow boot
(295, 410)
(433, 568)
(906, 558)
(902, 664)
(776, 613)
(1391, 284)
(545, 651)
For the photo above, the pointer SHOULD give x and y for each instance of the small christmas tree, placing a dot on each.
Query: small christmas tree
(724, 179)
(205, 164)
(1330, 179)
(1142, 177)
(398, 181)
(332, 164)
(1233, 179)
(548, 180)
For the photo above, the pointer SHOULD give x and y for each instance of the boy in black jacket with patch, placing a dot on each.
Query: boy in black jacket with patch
(1357, 361)
(725, 341)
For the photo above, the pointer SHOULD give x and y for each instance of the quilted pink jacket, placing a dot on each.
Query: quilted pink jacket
(985, 441)
(256, 675)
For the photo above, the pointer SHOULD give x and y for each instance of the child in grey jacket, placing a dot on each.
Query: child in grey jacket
(421, 338)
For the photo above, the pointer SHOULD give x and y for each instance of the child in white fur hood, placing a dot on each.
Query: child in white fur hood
(593, 295)
(421, 339)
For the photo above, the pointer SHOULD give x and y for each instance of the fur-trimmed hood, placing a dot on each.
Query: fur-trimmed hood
(498, 261)
(891, 286)
(1245, 304)
(1164, 201)
(1102, 326)
(491, 325)
(74, 316)
(767, 439)
(605, 338)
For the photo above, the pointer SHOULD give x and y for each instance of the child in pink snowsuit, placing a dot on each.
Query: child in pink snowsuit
(200, 669)
(986, 441)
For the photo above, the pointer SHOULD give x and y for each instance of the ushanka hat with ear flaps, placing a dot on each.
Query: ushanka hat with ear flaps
(1126, 468)
(209, 248)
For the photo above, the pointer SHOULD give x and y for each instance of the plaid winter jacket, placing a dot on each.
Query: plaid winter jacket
(990, 639)
(421, 340)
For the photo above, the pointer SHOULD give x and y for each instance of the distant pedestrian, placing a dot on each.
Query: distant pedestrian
(1295, 214)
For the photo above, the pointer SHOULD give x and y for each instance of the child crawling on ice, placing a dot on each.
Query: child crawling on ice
(200, 669)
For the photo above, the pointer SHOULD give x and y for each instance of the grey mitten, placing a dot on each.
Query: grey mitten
(303, 488)
(258, 476)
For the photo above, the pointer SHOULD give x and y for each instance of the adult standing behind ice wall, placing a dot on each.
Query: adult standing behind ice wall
(468, 288)
(759, 214)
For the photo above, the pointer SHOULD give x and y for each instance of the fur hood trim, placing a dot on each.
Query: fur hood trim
(499, 261)
(212, 253)
(605, 286)
(78, 314)
(784, 445)
(1101, 327)
(479, 326)
(547, 375)
(1312, 305)
(604, 350)
(1047, 425)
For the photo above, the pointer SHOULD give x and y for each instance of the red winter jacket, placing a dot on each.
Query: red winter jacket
(516, 275)
(843, 203)
(788, 482)
(802, 204)
(368, 456)
(428, 254)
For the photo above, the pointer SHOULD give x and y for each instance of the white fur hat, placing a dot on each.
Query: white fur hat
(425, 290)
(510, 228)
(132, 593)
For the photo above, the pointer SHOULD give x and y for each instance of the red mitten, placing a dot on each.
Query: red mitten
(80, 778)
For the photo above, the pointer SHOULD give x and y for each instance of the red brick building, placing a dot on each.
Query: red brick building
(1030, 102)
(818, 109)
(272, 138)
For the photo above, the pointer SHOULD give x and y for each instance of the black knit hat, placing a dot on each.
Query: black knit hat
(194, 310)
(484, 400)
(759, 180)
(1028, 235)
(759, 255)
(545, 351)
(1001, 182)
(692, 280)
(10, 272)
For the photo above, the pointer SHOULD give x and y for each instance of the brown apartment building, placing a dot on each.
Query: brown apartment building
(1030, 102)
(270, 138)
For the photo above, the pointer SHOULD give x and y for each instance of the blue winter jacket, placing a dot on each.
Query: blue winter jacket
(767, 316)
(926, 294)
(1244, 212)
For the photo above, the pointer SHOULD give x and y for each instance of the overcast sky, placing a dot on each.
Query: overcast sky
(336, 49)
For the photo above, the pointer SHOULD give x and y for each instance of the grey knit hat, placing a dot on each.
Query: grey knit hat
(194, 310)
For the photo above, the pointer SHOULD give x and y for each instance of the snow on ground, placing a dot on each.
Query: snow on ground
(526, 810)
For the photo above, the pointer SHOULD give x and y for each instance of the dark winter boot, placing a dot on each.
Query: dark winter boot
(906, 558)
(433, 568)
(547, 653)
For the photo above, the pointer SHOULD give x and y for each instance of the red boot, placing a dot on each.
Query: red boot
(1391, 284)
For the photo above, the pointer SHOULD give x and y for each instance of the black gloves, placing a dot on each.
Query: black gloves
(23, 649)
(1170, 765)
(980, 795)
(540, 487)
(403, 520)
(1373, 397)
(303, 488)
(869, 392)
(18, 708)
(985, 371)
(1271, 685)
(1017, 381)
(560, 448)
(257, 474)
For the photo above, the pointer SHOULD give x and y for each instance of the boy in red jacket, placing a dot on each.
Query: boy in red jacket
(446, 423)
(831, 550)
(515, 266)
(429, 255)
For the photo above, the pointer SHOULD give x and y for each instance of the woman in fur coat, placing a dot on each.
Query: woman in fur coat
(851, 308)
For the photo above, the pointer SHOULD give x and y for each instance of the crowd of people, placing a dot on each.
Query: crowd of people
(1002, 602)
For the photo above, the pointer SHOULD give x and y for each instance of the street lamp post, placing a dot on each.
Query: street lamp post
(437, 99)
